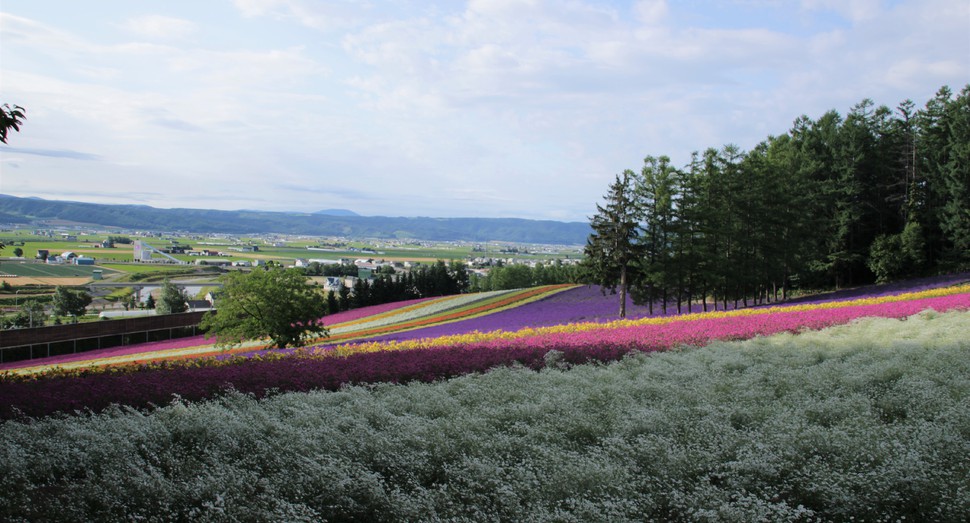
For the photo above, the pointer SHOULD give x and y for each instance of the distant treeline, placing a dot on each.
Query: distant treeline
(874, 196)
(438, 279)
(425, 281)
(521, 276)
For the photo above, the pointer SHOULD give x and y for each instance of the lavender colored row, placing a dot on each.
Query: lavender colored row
(155, 384)
(886, 289)
(590, 304)
(587, 303)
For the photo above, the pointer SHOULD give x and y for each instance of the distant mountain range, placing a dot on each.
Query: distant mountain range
(337, 212)
(333, 222)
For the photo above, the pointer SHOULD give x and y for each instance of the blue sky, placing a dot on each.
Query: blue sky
(484, 108)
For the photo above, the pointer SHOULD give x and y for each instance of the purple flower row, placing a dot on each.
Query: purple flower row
(155, 384)
(589, 304)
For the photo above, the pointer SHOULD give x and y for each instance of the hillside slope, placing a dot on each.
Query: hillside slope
(26, 210)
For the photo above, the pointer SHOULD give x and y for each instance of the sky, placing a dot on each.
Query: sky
(479, 108)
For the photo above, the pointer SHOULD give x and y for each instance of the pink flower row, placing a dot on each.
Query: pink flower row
(372, 310)
(702, 331)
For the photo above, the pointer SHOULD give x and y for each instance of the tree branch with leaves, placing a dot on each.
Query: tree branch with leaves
(10, 118)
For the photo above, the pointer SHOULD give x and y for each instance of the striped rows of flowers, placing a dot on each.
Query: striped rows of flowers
(180, 348)
(352, 315)
(371, 318)
(403, 317)
(155, 384)
(452, 309)
(609, 329)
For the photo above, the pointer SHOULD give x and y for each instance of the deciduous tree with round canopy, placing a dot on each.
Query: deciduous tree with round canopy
(278, 304)
(70, 302)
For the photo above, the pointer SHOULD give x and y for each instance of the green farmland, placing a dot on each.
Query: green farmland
(32, 269)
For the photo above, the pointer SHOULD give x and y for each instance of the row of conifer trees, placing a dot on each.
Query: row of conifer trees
(838, 201)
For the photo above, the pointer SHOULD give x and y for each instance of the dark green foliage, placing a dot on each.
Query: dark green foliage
(333, 306)
(335, 269)
(273, 303)
(518, 276)
(10, 118)
(70, 302)
(897, 256)
(344, 294)
(172, 299)
(361, 296)
(612, 248)
(876, 195)
(955, 213)
(439, 279)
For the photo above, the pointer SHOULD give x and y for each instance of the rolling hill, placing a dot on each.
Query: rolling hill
(27, 210)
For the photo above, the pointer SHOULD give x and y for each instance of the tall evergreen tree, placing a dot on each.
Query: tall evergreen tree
(955, 212)
(172, 299)
(611, 249)
(877, 195)
(655, 192)
(333, 306)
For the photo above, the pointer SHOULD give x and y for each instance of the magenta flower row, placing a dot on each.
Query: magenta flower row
(155, 384)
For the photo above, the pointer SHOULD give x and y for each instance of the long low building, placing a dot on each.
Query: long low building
(221, 262)
(127, 314)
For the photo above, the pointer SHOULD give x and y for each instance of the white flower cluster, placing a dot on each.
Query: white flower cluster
(866, 421)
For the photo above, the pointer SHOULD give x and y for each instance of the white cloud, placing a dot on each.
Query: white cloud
(24, 32)
(253, 8)
(160, 27)
(854, 10)
(318, 15)
(510, 107)
(651, 12)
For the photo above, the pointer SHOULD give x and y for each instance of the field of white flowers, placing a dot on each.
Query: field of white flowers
(869, 421)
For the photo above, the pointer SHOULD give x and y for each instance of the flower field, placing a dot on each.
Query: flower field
(422, 340)
(864, 421)
(345, 326)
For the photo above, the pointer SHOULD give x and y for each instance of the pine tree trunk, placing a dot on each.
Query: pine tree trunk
(623, 292)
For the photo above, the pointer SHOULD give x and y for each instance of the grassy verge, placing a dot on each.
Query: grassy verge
(868, 420)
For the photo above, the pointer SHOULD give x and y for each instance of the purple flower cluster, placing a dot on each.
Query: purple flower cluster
(122, 350)
(582, 304)
(155, 384)
(885, 289)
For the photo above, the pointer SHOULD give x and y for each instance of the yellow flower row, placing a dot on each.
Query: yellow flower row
(481, 337)
(404, 327)
(209, 349)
